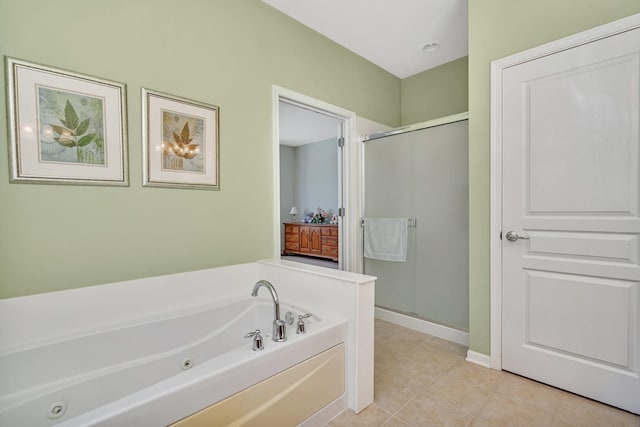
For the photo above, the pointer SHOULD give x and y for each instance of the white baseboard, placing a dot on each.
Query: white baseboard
(424, 326)
(479, 358)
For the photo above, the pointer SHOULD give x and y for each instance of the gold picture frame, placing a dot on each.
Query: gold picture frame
(181, 147)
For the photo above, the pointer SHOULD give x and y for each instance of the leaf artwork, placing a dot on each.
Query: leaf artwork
(182, 134)
(182, 146)
(74, 123)
(72, 129)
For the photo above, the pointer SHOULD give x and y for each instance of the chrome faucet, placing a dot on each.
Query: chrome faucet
(279, 326)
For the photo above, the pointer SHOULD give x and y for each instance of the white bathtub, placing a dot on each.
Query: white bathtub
(157, 371)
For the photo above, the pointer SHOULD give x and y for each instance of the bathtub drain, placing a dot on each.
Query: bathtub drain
(187, 363)
(56, 410)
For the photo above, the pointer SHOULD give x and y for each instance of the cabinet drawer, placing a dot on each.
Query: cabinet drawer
(291, 246)
(329, 241)
(289, 237)
(330, 250)
(290, 228)
(330, 231)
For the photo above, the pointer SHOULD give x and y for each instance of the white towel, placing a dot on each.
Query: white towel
(386, 238)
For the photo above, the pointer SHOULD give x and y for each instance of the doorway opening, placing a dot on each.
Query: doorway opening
(310, 137)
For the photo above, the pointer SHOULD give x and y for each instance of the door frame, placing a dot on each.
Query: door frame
(350, 182)
(497, 67)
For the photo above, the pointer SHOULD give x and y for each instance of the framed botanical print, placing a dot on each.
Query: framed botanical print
(180, 142)
(65, 127)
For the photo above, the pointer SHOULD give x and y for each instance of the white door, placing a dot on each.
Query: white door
(570, 156)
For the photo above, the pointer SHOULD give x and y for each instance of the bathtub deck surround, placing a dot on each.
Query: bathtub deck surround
(299, 391)
(335, 291)
(94, 325)
(154, 373)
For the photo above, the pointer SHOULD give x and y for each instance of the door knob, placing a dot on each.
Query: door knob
(512, 236)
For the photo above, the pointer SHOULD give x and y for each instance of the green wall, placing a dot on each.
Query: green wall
(498, 28)
(223, 52)
(229, 53)
(438, 92)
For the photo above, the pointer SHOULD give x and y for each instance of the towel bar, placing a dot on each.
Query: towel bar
(411, 222)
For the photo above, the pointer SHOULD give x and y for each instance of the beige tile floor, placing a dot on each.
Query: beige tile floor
(421, 380)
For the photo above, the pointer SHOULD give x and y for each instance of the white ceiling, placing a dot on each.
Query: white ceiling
(299, 126)
(389, 33)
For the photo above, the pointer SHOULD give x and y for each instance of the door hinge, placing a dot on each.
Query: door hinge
(341, 142)
(341, 212)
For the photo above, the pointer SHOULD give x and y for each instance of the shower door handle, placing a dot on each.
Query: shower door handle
(512, 236)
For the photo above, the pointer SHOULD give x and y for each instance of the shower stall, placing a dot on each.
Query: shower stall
(420, 174)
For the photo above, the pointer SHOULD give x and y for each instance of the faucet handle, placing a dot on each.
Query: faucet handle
(257, 340)
(301, 328)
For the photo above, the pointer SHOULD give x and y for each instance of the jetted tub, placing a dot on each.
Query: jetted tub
(158, 371)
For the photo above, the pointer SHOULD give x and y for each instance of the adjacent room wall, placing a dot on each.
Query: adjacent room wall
(308, 179)
(498, 28)
(316, 177)
(435, 93)
(225, 52)
(287, 184)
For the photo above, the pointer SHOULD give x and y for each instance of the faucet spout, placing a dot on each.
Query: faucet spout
(279, 325)
(274, 296)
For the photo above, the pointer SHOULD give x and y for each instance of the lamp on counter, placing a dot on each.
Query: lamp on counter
(294, 212)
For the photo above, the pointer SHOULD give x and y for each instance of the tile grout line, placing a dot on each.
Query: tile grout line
(490, 394)
(385, 411)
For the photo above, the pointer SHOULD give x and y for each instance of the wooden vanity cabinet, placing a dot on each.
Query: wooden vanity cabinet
(319, 240)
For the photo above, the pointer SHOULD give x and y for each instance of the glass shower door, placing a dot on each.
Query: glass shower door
(389, 193)
(423, 175)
